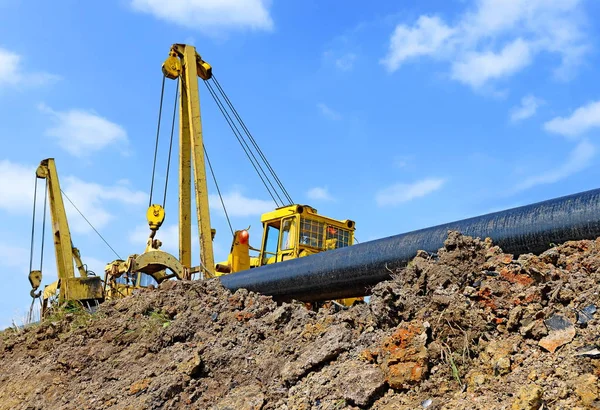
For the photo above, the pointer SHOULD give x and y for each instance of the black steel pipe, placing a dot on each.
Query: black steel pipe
(351, 271)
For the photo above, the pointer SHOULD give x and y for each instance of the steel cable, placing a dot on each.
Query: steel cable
(44, 226)
(162, 93)
(171, 144)
(33, 227)
(218, 190)
(243, 141)
(238, 137)
(30, 316)
(90, 224)
(252, 140)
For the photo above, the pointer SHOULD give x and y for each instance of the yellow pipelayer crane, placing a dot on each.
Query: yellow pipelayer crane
(87, 288)
(84, 288)
(290, 231)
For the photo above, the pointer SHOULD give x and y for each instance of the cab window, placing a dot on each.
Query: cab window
(147, 280)
(311, 233)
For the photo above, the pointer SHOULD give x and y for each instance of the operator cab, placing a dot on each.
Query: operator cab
(294, 231)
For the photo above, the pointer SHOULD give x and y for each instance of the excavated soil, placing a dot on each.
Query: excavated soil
(467, 328)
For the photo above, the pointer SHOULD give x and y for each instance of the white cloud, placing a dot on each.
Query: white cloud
(400, 193)
(527, 109)
(9, 67)
(12, 72)
(476, 69)
(319, 194)
(579, 159)
(427, 37)
(581, 121)
(520, 29)
(328, 112)
(17, 186)
(346, 62)
(81, 133)
(91, 199)
(341, 53)
(491, 17)
(14, 256)
(239, 205)
(167, 234)
(139, 235)
(207, 15)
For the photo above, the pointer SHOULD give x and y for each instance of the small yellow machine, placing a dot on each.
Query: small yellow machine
(298, 230)
(84, 288)
(289, 232)
(88, 289)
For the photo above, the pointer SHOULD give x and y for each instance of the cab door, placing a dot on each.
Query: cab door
(270, 244)
(288, 239)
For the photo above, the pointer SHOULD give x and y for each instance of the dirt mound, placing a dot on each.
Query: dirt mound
(468, 327)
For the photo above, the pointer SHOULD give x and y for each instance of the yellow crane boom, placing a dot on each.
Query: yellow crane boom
(69, 287)
(185, 63)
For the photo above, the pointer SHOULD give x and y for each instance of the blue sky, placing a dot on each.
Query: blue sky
(398, 115)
